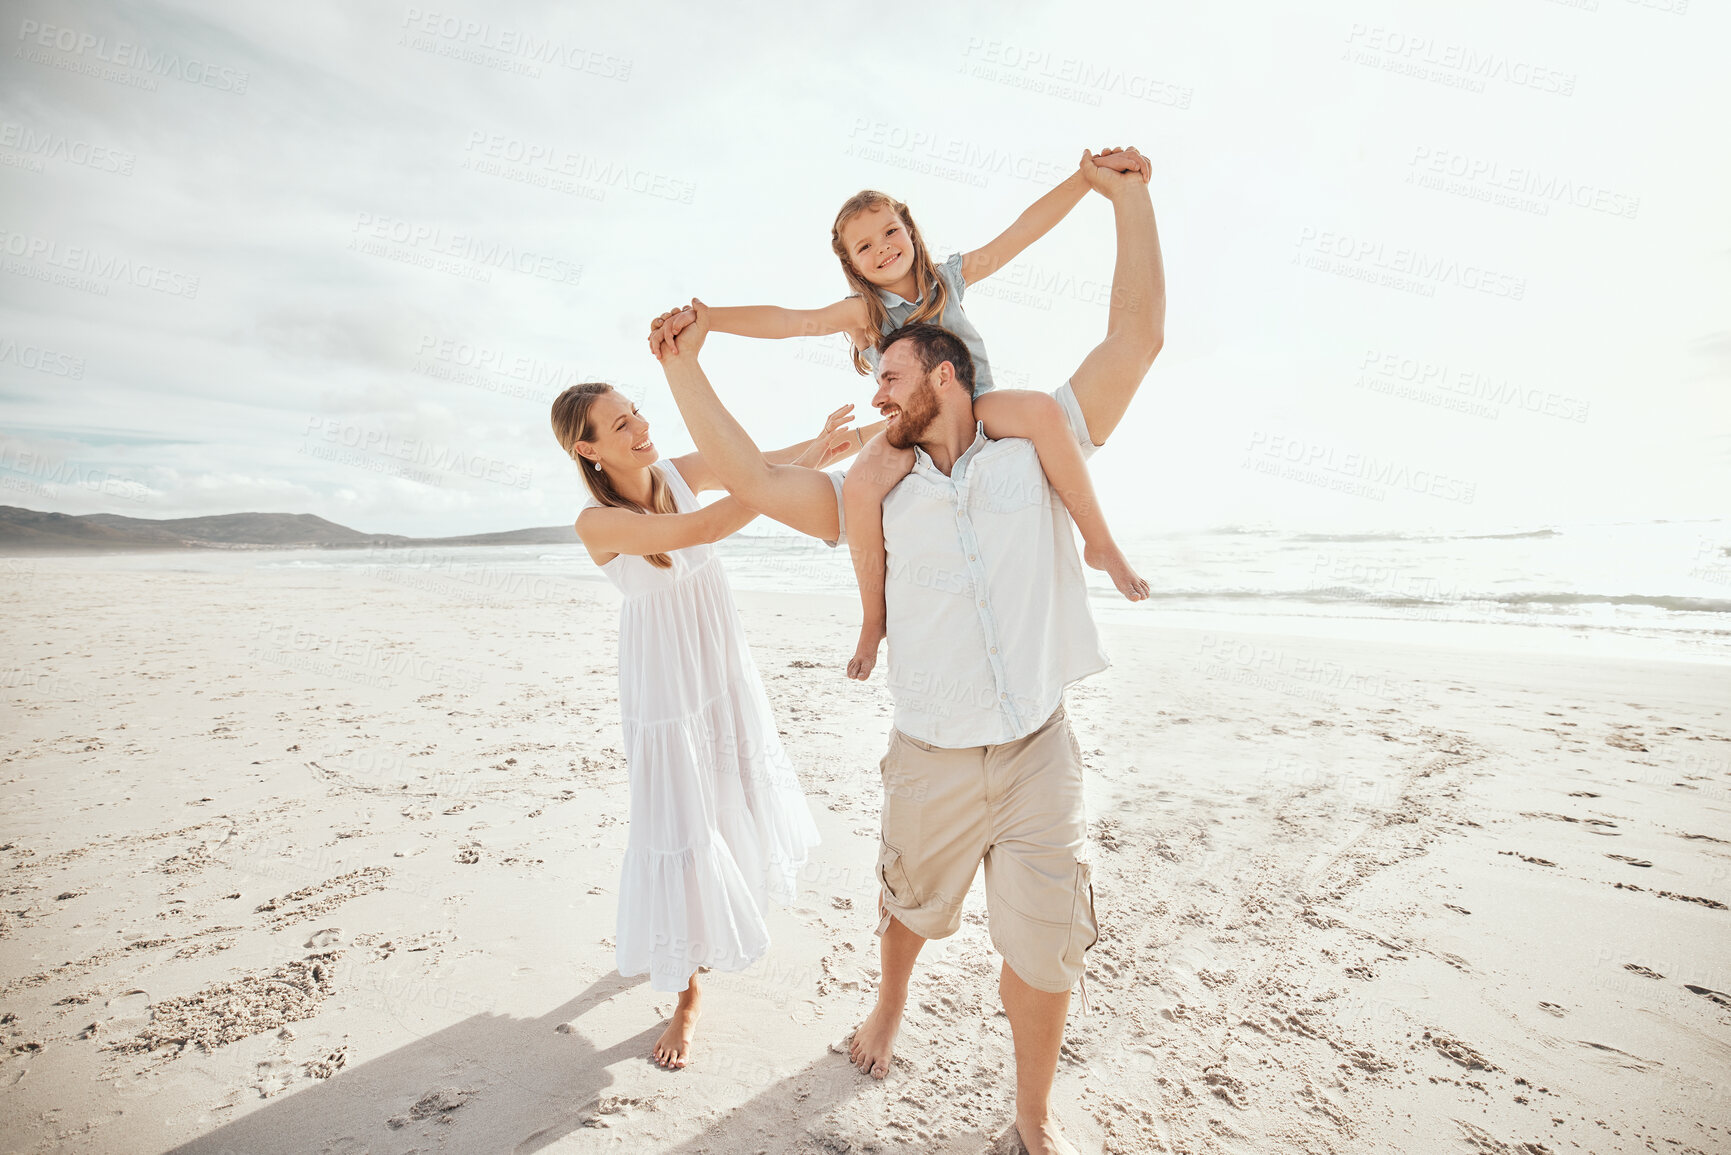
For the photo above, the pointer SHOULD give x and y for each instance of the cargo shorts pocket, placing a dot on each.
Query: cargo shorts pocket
(1084, 925)
(893, 876)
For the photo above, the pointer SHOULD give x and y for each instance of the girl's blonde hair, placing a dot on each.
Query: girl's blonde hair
(933, 293)
(571, 424)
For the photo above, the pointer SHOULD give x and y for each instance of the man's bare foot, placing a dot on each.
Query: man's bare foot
(871, 1047)
(1044, 1138)
(865, 655)
(673, 1048)
(1110, 558)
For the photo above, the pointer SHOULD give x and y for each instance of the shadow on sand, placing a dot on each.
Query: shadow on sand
(490, 1083)
(494, 1083)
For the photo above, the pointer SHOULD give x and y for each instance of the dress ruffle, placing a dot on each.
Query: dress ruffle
(719, 828)
(719, 824)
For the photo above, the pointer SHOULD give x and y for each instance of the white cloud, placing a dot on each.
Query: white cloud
(339, 214)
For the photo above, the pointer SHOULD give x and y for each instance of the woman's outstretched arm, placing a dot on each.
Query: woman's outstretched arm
(606, 530)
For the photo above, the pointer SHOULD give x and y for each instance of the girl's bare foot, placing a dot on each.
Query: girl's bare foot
(871, 1047)
(865, 655)
(1110, 558)
(673, 1048)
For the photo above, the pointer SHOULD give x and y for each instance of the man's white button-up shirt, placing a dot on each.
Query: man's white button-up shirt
(988, 615)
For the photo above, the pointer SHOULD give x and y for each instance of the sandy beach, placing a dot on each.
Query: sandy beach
(324, 861)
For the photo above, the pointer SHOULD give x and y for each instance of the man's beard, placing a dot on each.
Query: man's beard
(916, 417)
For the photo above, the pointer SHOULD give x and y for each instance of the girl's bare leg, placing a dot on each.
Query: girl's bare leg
(1039, 418)
(868, 481)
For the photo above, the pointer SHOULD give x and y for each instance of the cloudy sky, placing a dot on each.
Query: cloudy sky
(1429, 265)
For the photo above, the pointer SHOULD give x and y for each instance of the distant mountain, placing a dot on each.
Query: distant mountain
(30, 531)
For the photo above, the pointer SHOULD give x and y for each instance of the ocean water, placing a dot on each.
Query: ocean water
(1645, 589)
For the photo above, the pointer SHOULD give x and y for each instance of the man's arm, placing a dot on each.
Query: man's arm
(801, 498)
(1136, 321)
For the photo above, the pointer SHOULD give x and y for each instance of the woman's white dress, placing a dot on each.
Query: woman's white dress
(719, 824)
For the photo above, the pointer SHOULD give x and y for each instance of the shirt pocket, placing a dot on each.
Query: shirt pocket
(1006, 478)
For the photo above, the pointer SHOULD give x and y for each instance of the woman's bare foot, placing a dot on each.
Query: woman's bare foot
(1110, 558)
(673, 1048)
(1044, 1138)
(865, 655)
(871, 1047)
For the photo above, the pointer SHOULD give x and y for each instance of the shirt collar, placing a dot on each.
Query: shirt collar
(922, 459)
(893, 300)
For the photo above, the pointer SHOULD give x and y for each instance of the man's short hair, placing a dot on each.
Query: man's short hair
(933, 345)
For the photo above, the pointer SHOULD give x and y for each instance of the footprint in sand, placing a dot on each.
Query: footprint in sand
(127, 1011)
(1644, 972)
(1709, 993)
(1554, 1009)
(272, 1077)
(1630, 861)
(437, 1105)
(328, 937)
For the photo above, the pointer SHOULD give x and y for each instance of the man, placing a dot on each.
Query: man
(988, 622)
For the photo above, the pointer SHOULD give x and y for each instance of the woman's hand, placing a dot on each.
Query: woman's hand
(666, 327)
(835, 440)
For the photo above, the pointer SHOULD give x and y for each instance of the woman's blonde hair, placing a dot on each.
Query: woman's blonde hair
(571, 424)
(933, 293)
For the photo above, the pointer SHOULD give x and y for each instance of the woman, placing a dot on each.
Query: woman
(718, 821)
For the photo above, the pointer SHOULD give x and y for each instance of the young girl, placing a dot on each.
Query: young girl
(718, 821)
(895, 283)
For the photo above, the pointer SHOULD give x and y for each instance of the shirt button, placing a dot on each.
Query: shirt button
(970, 557)
(982, 601)
(1003, 695)
(994, 649)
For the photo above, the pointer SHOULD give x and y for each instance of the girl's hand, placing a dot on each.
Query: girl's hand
(1111, 173)
(1122, 160)
(835, 441)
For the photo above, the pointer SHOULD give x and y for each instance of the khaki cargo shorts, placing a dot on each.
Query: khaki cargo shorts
(1018, 807)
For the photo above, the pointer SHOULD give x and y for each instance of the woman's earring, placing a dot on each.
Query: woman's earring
(597, 467)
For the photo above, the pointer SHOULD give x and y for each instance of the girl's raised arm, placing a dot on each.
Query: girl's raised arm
(1040, 217)
(772, 322)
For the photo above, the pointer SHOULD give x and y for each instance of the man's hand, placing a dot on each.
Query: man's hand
(1114, 168)
(679, 332)
(1123, 159)
(1105, 168)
